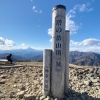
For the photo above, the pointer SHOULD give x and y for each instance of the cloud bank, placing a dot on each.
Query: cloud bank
(87, 45)
(6, 44)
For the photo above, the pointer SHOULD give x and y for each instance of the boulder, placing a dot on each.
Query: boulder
(20, 94)
(29, 97)
(2, 81)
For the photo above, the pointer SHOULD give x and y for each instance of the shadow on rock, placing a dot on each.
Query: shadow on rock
(73, 95)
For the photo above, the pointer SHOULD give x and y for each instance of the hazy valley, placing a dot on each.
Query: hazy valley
(75, 57)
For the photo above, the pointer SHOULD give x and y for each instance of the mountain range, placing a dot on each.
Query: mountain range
(84, 58)
(75, 57)
(22, 54)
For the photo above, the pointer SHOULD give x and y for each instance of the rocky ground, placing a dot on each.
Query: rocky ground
(25, 83)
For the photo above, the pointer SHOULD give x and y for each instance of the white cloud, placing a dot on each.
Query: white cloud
(51, 40)
(6, 42)
(9, 42)
(2, 41)
(71, 25)
(89, 9)
(34, 9)
(83, 7)
(86, 43)
(50, 31)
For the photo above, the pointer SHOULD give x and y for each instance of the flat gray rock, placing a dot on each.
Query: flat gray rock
(11, 66)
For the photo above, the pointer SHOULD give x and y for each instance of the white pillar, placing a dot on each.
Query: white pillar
(58, 51)
(46, 71)
(67, 34)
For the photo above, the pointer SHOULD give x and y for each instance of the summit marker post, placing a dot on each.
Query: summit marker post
(59, 67)
(58, 50)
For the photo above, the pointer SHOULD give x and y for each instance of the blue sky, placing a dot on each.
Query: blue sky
(28, 23)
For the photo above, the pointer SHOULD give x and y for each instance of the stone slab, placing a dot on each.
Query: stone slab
(46, 71)
(3, 60)
(10, 66)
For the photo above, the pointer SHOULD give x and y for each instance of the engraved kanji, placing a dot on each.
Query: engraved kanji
(58, 30)
(58, 45)
(58, 22)
(58, 37)
(58, 52)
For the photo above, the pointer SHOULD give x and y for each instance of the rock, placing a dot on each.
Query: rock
(12, 95)
(97, 83)
(15, 86)
(2, 81)
(37, 98)
(75, 78)
(88, 75)
(94, 80)
(23, 87)
(42, 97)
(21, 94)
(86, 82)
(2, 96)
(47, 98)
(36, 82)
(27, 84)
(29, 97)
(2, 72)
(3, 76)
